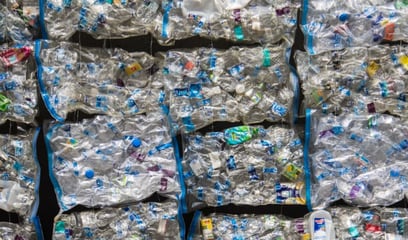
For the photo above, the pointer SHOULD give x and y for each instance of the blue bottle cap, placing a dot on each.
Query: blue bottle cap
(89, 174)
(136, 142)
(394, 173)
(344, 17)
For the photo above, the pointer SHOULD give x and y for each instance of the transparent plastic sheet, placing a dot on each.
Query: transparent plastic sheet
(108, 161)
(358, 80)
(13, 231)
(140, 221)
(358, 158)
(334, 25)
(101, 19)
(18, 21)
(96, 81)
(248, 21)
(346, 222)
(18, 86)
(243, 165)
(240, 84)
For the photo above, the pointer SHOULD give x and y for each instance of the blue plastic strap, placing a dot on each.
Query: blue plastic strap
(57, 187)
(43, 89)
(167, 9)
(306, 160)
(295, 85)
(309, 36)
(193, 226)
(165, 110)
(181, 219)
(34, 218)
(42, 21)
(180, 172)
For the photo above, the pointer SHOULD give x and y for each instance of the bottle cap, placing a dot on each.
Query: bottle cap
(136, 142)
(344, 17)
(89, 174)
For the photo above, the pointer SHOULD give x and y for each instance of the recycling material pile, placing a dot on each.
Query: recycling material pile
(168, 20)
(340, 222)
(136, 142)
(250, 85)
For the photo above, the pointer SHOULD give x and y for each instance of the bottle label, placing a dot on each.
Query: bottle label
(319, 231)
(207, 229)
(132, 68)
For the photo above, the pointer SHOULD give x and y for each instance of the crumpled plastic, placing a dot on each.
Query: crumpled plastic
(96, 81)
(239, 84)
(19, 177)
(358, 158)
(249, 20)
(348, 223)
(108, 161)
(243, 165)
(141, 221)
(13, 231)
(167, 20)
(334, 25)
(372, 223)
(18, 22)
(102, 19)
(356, 80)
(244, 226)
(18, 86)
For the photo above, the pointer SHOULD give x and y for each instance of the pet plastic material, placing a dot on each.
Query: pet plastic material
(358, 158)
(168, 20)
(13, 231)
(96, 81)
(243, 165)
(237, 21)
(244, 226)
(356, 80)
(101, 19)
(346, 223)
(108, 161)
(18, 86)
(19, 177)
(239, 84)
(19, 21)
(334, 25)
(141, 221)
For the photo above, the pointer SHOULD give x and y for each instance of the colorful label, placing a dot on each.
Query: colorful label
(319, 229)
(372, 68)
(132, 68)
(292, 172)
(241, 134)
(207, 228)
(404, 61)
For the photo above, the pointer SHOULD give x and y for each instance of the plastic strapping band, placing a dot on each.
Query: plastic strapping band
(42, 20)
(193, 226)
(53, 179)
(309, 36)
(295, 84)
(306, 160)
(181, 219)
(43, 89)
(165, 110)
(34, 218)
(167, 9)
